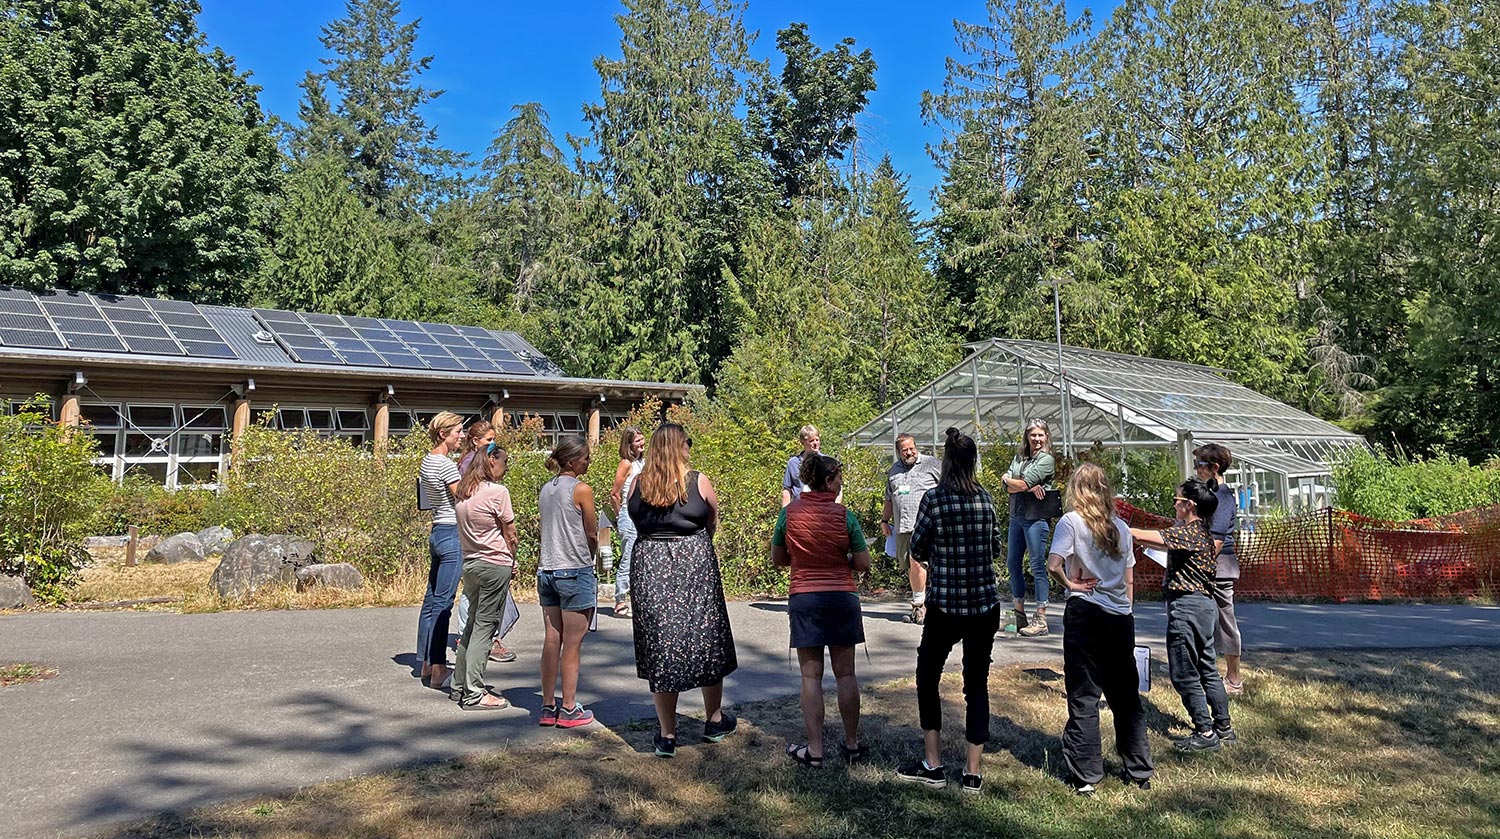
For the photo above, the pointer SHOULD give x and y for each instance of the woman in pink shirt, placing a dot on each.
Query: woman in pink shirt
(487, 532)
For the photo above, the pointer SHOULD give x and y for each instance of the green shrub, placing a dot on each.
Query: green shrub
(1396, 488)
(157, 510)
(49, 488)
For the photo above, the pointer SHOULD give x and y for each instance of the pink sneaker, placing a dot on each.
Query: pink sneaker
(574, 717)
(548, 717)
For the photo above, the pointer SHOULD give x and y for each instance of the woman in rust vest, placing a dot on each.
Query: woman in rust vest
(820, 539)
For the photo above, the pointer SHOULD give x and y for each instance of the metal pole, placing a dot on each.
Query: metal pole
(1062, 375)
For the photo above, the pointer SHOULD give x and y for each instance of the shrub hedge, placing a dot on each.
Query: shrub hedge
(1396, 488)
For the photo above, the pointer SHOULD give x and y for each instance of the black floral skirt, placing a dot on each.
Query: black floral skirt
(682, 635)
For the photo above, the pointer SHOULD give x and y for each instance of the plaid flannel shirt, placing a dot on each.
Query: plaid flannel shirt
(958, 537)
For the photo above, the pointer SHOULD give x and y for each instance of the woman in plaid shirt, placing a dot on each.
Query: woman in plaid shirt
(958, 538)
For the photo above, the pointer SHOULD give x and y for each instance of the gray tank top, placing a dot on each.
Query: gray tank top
(563, 544)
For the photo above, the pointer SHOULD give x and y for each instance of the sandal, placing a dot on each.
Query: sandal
(1234, 688)
(622, 610)
(803, 755)
(854, 755)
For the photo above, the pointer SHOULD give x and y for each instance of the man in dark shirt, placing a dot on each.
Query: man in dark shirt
(1192, 616)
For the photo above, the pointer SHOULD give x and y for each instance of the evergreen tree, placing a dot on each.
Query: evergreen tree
(136, 159)
(375, 119)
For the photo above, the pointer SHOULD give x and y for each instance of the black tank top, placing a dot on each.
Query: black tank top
(684, 519)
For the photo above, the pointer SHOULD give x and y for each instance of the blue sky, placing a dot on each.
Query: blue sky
(488, 56)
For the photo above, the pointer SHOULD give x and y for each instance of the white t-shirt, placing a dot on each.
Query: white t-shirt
(1072, 541)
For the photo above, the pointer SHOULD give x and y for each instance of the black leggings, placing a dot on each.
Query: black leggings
(940, 632)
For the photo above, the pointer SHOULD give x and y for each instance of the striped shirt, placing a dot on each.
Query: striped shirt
(437, 473)
(958, 537)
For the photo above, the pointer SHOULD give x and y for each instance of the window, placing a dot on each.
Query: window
(320, 419)
(291, 419)
(355, 421)
(572, 423)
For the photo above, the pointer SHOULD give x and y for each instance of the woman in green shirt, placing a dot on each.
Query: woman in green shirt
(1031, 472)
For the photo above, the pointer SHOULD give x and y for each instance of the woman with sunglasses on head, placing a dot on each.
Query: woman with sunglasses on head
(821, 541)
(682, 635)
(1029, 476)
(1192, 615)
(487, 531)
(477, 437)
(1092, 557)
(439, 479)
(566, 584)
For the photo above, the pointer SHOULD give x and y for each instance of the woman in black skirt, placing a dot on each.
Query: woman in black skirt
(682, 636)
(822, 542)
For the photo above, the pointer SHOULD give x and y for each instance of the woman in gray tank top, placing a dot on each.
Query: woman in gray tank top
(566, 584)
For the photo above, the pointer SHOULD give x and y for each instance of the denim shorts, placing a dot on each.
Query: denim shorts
(574, 589)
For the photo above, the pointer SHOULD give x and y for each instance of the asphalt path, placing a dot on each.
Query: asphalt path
(159, 712)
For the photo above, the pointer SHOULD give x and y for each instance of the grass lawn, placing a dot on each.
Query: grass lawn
(1402, 744)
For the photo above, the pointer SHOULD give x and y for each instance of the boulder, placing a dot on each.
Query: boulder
(183, 547)
(14, 593)
(255, 560)
(333, 575)
(215, 539)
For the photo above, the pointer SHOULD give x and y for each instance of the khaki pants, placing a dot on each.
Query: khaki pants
(486, 585)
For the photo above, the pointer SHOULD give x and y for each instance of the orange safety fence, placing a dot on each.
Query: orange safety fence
(1338, 555)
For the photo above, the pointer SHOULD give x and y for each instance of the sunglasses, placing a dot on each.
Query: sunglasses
(1203, 463)
(1180, 500)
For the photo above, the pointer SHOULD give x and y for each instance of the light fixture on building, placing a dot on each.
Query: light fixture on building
(504, 393)
(79, 382)
(601, 399)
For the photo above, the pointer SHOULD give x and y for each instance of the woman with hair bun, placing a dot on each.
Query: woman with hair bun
(566, 585)
(1093, 559)
(821, 541)
(958, 537)
(682, 635)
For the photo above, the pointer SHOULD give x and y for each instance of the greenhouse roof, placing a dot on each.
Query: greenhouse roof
(1112, 399)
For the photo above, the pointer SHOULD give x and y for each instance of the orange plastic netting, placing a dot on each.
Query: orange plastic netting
(1337, 555)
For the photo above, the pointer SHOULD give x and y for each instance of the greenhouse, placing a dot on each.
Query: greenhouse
(1091, 398)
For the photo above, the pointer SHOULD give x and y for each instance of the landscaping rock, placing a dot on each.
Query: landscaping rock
(255, 560)
(334, 575)
(14, 593)
(215, 539)
(183, 547)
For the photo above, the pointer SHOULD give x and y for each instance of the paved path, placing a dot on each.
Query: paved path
(158, 712)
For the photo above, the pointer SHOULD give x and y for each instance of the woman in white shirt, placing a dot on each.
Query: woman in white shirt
(1092, 556)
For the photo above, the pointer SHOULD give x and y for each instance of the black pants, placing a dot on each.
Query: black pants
(940, 632)
(1191, 622)
(1099, 656)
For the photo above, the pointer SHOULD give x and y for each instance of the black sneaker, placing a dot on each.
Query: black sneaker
(1226, 735)
(1199, 741)
(713, 732)
(666, 746)
(917, 772)
(1138, 783)
(971, 783)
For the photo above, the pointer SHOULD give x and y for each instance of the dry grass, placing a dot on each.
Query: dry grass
(1333, 745)
(20, 673)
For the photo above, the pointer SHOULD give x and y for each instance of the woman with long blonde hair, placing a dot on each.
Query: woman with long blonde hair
(1093, 557)
(682, 635)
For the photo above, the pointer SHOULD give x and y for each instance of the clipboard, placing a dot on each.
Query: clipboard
(1155, 555)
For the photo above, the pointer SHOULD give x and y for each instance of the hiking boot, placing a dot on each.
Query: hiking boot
(1199, 741)
(574, 717)
(1034, 628)
(1018, 621)
(917, 772)
(499, 652)
(665, 746)
(971, 783)
(918, 614)
(1226, 735)
(548, 717)
(713, 732)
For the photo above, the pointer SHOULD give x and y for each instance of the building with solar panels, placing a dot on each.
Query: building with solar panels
(163, 385)
(1089, 398)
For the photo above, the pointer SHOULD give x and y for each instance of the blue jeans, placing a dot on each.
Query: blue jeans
(622, 568)
(443, 576)
(1031, 537)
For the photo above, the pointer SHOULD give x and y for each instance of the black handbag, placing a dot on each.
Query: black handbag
(1049, 506)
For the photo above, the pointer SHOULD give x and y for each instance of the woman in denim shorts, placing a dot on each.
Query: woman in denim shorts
(566, 583)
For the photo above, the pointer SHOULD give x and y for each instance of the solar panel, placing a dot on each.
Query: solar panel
(22, 324)
(31, 339)
(208, 349)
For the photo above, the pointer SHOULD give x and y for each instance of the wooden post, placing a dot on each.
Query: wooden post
(497, 419)
(131, 544)
(382, 429)
(68, 411)
(239, 420)
(594, 424)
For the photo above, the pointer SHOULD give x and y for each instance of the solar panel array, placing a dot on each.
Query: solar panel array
(110, 324)
(382, 342)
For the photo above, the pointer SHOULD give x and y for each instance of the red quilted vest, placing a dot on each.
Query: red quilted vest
(817, 540)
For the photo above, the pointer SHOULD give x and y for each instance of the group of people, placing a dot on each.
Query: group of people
(668, 513)
(937, 518)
